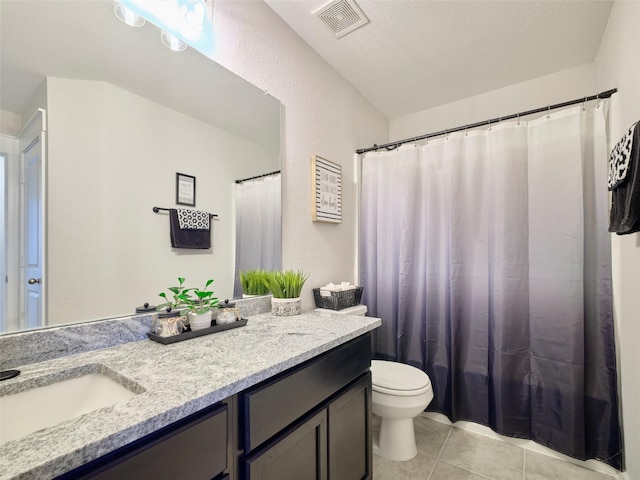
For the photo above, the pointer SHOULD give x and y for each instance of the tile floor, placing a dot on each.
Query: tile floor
(448, 453)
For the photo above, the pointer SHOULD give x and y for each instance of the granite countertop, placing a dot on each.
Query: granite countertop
(176, 380)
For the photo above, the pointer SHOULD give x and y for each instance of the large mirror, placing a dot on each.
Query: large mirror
(119, 115)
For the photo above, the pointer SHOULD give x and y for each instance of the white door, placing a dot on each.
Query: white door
(33, 234)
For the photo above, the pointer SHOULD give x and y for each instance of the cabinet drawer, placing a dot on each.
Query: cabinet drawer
(195, 448)
(273, 405)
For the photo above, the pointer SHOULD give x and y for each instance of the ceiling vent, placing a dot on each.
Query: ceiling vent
(341, 17)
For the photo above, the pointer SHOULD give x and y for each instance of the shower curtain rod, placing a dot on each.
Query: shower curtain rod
(275, 172)
(392, 145)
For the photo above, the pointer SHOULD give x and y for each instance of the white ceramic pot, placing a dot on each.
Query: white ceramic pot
(285, 307)
(200, 321)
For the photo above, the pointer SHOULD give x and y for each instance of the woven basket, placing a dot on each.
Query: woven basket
(338, 300)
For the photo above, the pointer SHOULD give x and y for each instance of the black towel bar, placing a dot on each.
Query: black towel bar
(157, 209)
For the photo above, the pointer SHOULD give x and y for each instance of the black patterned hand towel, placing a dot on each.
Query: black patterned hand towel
(624, 183)
(189, 237)
(620, 159)
(193, 219)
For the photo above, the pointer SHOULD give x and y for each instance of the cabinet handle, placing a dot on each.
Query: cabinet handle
(33, 281)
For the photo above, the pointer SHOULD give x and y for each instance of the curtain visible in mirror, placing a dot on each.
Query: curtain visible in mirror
(258, 227)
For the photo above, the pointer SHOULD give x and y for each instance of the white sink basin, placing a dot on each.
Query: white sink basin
(45, 406)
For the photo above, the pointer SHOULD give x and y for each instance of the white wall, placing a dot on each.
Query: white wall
(555, 88)
(618, 65)
(10, 123)
(323, 115)
(113, 156)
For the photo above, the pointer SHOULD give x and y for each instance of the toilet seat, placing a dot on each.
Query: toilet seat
(398, 379)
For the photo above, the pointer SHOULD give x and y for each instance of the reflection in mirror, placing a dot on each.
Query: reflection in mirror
(118, 115)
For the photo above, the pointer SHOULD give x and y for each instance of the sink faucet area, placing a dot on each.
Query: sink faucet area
(46, 401)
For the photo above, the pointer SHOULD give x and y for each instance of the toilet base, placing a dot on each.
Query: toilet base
(396, 440)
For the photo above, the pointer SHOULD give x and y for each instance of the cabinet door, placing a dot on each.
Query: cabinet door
(298, 454)
(350, 432)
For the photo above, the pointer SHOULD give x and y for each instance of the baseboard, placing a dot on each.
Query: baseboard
(530, 445)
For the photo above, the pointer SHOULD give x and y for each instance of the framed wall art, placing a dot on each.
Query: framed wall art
(326, 187)
(185, 189)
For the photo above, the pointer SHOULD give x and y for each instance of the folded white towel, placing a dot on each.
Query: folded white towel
(333, 287)
(347, 286)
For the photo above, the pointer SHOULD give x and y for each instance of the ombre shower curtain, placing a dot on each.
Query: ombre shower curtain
(487, 256)
(258, 227)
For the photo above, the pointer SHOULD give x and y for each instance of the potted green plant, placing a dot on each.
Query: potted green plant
(285, 288)
(172, 318)
(252, 282)
(200, 307)
(179, 298)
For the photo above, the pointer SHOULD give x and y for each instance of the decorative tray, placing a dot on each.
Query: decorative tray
(198, 333)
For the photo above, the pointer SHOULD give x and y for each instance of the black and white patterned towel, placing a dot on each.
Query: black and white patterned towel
(619, 159)
(193, 219)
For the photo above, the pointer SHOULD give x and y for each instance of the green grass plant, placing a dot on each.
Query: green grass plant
(287, 284)
(253, 282)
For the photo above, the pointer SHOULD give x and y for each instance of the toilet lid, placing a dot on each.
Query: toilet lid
(398, 378)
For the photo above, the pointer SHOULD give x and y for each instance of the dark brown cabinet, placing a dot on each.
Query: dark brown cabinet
(314, 421)
(311, 422)
(331, 443)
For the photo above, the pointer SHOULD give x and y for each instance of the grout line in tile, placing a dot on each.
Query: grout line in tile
(432, 469)
(444, 443)
(466, 470)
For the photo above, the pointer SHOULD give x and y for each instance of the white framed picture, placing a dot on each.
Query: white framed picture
(326, 185)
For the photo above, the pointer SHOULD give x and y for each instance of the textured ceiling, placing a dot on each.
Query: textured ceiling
(417, 54)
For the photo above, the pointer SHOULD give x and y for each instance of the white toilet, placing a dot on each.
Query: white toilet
(400, 393)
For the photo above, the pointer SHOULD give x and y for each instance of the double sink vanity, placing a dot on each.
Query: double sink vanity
(282, 397)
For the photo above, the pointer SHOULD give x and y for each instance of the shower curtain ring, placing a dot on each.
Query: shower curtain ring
(489, 121)
(548, 110)
(584, 104)
(518, 116)
(598, 97)
(465, 129)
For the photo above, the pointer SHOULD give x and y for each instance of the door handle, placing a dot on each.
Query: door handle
(33, 281)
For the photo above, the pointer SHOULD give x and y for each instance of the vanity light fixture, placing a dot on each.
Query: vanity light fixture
(172, 42)
(182, 22)
(128, 16)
